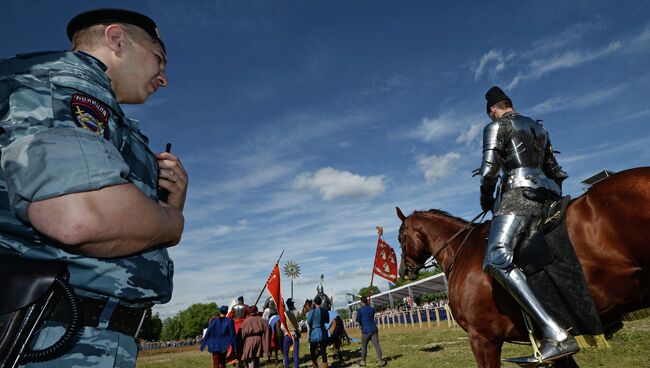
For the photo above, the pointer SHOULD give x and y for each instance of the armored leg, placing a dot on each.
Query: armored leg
(556, 341)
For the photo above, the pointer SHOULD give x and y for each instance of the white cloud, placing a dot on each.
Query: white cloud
(211, 232)
(332, 183)
(469, 135)
(562, 50)
(449, 123)
(570, 59)
(360, 271)
(436, 128)
(644, 35)
(385, 85)
(493, 59)
(437, 167)
(569, 38)
(575, 103)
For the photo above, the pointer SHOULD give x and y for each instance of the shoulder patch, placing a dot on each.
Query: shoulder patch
(90, 113)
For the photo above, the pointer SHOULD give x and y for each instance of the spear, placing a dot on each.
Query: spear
(267, 280)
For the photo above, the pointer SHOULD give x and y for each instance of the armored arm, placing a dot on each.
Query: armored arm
(551, 168)
(490, 166)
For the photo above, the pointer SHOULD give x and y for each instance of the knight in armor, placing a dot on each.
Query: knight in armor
(238, 313)
(519, 148)
(239, 310)
(270, 309)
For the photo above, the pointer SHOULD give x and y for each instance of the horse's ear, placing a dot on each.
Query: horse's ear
(400, 214)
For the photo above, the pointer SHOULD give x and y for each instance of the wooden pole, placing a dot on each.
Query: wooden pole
(380, 232)
(428, 311)
(267, 280)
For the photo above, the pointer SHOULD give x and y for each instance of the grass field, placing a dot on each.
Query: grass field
(434, 347)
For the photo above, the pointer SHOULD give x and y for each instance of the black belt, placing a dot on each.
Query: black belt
(124, 319)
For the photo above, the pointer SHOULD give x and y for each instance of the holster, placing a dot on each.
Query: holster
(30, 291)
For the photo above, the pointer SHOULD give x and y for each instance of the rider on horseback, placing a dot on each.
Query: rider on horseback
(521, 147)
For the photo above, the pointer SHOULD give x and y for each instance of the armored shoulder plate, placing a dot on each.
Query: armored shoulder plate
(490, 165)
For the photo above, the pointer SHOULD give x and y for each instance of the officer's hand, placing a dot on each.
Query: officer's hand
(173, 178)
(487, 202)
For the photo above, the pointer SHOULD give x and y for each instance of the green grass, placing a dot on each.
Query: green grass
(439, 347)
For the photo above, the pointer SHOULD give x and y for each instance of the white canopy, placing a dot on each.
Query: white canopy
(427, 285)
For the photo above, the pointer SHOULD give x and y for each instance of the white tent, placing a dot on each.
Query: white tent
(427, 285)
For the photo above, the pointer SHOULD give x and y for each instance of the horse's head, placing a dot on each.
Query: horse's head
(306, 307)
(414, 252)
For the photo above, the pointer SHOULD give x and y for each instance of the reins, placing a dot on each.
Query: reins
(467, 226)
(446, 243)
(453, 260)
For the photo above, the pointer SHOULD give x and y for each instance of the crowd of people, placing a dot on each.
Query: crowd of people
(405, 307)
(155, 345)
(242, 334)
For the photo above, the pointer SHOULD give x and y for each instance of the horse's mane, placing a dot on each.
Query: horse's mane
(434, 211)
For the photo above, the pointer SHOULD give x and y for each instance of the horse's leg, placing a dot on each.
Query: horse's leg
(487, 352)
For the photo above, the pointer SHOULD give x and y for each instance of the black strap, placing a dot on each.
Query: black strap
(124, 319)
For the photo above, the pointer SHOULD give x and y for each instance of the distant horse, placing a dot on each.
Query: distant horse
(336, 330)
(337, 334)
(609, 226)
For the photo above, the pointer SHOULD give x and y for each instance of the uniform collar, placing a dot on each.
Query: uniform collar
(91, 59)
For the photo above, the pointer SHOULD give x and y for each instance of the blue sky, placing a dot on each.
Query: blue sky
(303, 124)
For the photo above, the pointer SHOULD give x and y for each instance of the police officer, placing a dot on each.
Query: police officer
(520, 147)
(79, 184)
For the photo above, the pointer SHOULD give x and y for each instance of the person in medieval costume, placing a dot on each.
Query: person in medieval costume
(238, 313)
(256, 335)
(519, 147)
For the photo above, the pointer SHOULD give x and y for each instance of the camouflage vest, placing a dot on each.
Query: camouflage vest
(65, 133)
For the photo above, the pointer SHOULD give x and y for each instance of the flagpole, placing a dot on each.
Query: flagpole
(380, 232)
(267, 279)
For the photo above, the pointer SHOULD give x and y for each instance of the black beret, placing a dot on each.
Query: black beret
(494, 95)
(108, 16)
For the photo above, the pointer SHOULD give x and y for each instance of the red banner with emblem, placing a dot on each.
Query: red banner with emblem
(385, 261)
(274, 288)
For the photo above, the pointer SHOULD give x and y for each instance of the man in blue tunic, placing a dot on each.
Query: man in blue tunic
(316, 320)
(79, 184)
(369, 332)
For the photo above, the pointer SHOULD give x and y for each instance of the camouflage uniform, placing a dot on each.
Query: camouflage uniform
(64, 132)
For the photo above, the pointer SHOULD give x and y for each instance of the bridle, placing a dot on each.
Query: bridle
(413, 267)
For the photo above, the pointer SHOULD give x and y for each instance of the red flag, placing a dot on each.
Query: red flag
(385, 261)
(274, 289)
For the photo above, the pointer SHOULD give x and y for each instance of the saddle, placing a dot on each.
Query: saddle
(533, 253)
(553, 270)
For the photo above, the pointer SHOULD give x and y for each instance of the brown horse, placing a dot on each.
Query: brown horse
(609, 226)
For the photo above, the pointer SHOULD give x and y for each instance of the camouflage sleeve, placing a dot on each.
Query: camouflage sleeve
(56, 162)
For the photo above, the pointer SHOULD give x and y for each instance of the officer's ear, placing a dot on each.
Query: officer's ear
(115, 36)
